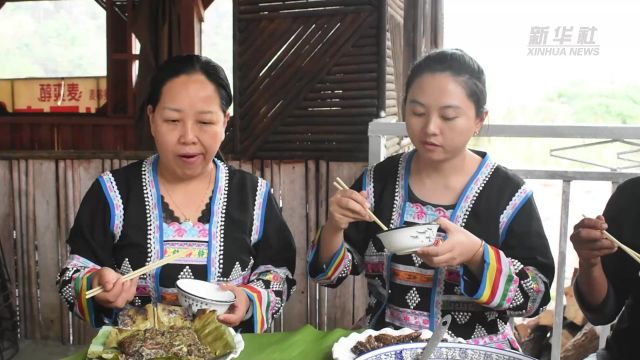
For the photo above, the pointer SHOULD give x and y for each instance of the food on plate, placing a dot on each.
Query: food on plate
(180, 343)
(168, 316)
(163, 332)
(377, 341)
(136, 318)
(213, 334)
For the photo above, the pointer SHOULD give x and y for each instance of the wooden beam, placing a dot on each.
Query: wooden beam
(412, 16)
(73, 155)
(199, 8)
(66, 119)
(191, 15)
(382, 56)
(119, 93)
(207, 3)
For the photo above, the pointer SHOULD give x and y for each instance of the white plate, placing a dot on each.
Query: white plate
(444, 351)
(237, 338)
(342, 348)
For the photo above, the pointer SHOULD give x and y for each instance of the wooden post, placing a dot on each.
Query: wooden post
(312, 229)
(63, 251)
(118, 45)
(191, 17)
(382, 57)
(7, 225)
(46, 238)
(294, 211)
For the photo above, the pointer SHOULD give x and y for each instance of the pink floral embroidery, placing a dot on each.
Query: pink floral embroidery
(179, 232)
(420, 214)
(442, 213)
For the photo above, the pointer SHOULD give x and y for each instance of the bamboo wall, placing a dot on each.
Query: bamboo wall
(40, 198)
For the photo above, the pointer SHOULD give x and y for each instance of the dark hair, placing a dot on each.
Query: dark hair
(460, 65)
(185, 65)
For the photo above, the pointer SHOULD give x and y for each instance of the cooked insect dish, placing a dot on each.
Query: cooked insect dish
(163, 332)
(374, 342)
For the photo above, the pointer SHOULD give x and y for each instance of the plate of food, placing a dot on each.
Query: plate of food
(356, 345)
(166, 332)
(444, 351)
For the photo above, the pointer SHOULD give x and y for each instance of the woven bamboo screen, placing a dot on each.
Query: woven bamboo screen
(309, 77)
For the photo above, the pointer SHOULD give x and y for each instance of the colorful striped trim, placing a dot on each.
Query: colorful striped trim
(505, 339)
(411, 275)
(262, 194)
(367, 185)
(112, 194)
(80, 284)
(518, 200)
(194, 252)
(335, 266)
(424, 214)
(77, 261)
(407, 318)
(261, 301)
(84, 307)
(215, 261)
(471, 191)
(497, 279)
(402, 190)
(186, 231)
(153, 209)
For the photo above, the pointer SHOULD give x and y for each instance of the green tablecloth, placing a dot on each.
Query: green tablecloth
(305, 343)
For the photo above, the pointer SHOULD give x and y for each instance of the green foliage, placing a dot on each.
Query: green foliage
(217, 35)
(583, 103)
(52, 39)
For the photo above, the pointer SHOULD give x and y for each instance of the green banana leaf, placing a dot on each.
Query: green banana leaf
(212, 334)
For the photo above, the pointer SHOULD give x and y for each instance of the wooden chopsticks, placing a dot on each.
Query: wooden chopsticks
(624, 248)
(143, 270)
(342, 186)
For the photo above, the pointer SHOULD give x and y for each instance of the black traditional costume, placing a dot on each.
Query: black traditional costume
(497, 207)
(124, 223)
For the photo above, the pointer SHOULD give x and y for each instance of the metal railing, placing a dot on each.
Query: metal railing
(380, 129)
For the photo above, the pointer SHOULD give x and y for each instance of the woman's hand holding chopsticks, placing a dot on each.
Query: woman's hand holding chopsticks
(349, 210)
(117, 291)
(114, 290)
(345, 206)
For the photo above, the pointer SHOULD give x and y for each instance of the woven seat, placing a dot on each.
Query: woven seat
(8, 318)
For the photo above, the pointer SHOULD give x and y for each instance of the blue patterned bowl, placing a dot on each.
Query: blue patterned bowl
(444, 351)
(197, 294)
(406, 240)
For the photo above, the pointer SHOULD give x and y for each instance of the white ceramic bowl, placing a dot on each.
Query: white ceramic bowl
(197, 294)
(406, 240)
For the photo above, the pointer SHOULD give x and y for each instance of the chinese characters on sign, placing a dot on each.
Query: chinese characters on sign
(54, 92)
(69, 95)
(562, 41)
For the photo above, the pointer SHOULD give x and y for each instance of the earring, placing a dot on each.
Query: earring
(475, 133)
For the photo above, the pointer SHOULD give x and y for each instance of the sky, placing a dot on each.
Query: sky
(497, 34)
